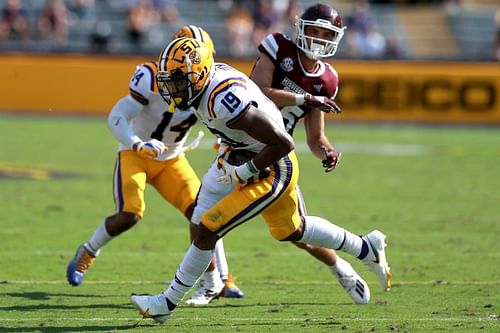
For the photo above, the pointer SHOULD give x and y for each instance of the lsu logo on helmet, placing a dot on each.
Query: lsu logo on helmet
(184, 69)
(193, 31)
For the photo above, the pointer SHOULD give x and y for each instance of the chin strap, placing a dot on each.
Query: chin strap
(194, 143)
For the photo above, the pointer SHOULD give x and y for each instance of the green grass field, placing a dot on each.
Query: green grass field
(434, 191)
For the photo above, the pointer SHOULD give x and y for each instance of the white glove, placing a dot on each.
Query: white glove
(151, 149)
(238, 176)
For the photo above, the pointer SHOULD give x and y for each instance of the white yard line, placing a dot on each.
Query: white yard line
(6, 283)
(248, 319)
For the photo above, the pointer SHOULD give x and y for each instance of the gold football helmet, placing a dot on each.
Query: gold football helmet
(193, 31)
(184, 69)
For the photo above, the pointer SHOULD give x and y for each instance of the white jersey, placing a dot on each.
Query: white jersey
(153, 121)
(226, 99)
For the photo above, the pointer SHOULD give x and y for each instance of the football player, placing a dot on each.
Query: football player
(151, 151)
(293, 75)
(256, 171)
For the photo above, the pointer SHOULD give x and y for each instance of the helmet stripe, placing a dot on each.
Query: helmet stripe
(196, 32)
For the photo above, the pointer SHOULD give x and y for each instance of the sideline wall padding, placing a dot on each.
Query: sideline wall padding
(369, 91)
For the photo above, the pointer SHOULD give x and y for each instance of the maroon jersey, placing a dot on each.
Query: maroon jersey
(289, 75)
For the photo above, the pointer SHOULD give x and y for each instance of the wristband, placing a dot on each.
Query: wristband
(300, 99)
(247, 170)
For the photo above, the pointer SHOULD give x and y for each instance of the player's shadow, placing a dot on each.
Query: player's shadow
(42, 307)
(40, 296)
(255, 305)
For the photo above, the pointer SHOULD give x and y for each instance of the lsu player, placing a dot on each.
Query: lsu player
(256, 171)
(293, 75)
(151, 151)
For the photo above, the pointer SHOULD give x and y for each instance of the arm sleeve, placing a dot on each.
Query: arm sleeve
(119, 120)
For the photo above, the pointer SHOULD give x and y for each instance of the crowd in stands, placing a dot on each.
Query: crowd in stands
(246, 24)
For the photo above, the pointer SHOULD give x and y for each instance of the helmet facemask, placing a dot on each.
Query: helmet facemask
(178, 88)
(314, 47)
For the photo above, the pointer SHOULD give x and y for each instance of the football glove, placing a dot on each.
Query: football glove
(323, 103)
(332, 159)
(151, 149)
(238, 176)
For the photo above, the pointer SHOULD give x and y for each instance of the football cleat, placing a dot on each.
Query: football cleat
(154, 307)
(355, 286)
(377, 261)
(206, 292)
(83, 259)
(230, 289)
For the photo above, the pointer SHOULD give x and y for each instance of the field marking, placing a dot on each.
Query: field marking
(290, 319)
(252, 282)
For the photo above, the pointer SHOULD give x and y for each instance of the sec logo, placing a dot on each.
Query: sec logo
(287, 64)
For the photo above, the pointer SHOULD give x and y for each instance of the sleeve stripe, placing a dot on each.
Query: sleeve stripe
(223, 86)
(270, 45)
(138, 97)
(152, 67)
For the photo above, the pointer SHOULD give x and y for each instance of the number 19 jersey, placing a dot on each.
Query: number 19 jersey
(226, 99)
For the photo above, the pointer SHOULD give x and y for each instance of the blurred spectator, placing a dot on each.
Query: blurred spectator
(101, 38)
(14, 21)
(287, 10)
(82, 11)
(239, 28)
(266, 20)
(361, 16)
(393, 48)
(371, 43)
(363, 38)
(496, 45)
(141, 16)
(167, 11)
(53, 21)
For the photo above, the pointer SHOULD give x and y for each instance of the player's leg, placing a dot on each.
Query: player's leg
(178, 184)
(129, 182)
(369, 248)
(348, 278)
(222, 209)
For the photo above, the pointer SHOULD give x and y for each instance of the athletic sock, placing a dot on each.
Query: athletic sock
(99, 238)
(194, 263)
(221, 261)
(320, 232)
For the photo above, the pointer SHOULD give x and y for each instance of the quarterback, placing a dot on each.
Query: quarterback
(293, 75)
(151, 151)
(256, 171)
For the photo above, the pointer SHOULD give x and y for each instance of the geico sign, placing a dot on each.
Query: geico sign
(396, 93)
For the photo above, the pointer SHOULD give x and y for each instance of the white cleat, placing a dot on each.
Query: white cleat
(352, 282)
(376, 259)
(154, 307)
(206, 292)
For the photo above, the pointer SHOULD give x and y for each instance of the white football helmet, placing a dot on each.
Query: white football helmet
(321, 16)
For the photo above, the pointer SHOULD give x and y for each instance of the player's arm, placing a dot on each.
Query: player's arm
(317, 141)
(119, 124)
(119, 120)
(259, 126)
(262, 75)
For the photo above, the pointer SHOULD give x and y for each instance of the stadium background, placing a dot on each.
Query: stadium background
(445, 69)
